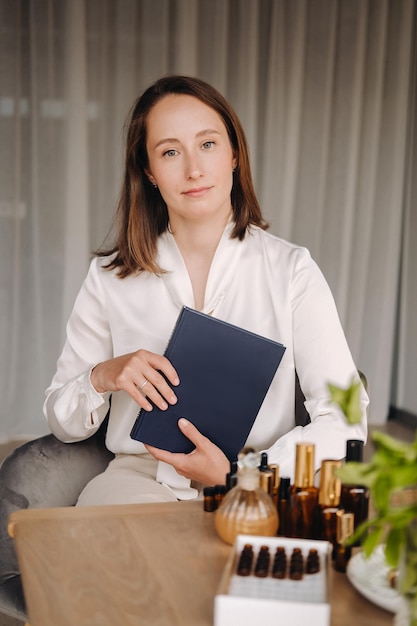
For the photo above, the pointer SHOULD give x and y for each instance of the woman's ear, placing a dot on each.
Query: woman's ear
(150, 177)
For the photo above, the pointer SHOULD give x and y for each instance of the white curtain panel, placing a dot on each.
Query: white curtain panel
(324, 89)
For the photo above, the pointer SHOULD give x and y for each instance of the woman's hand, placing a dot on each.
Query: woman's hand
(206, 464)
(139, 374)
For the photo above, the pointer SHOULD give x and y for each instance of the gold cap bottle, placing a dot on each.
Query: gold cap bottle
(303, 494)
(345, 526)
(330, 484)
(304, 465)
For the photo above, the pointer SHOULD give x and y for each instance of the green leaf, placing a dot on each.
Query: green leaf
(372, 540)
(408, 565)
(348, 400)
(354, 473)
(393, 449)
(360, 531)
(393, 544)
(389, 475)
(381, 491)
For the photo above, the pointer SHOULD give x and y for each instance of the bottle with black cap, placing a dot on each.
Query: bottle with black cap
(266, 475)
(283, 504)
(231, 477)
(355, 498)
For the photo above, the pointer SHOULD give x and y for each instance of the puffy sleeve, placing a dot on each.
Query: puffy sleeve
(73, 408)
(321, 356)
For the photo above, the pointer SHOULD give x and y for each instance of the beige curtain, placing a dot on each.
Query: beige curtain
(324, 89)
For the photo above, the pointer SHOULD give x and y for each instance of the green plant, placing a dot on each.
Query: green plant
(391, 475)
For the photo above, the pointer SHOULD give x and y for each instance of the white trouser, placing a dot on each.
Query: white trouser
(128, 479)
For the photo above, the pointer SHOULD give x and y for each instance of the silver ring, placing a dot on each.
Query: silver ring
(143, 384)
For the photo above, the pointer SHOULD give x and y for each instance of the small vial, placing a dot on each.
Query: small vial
(296, 564)
(244, 565)
(313, 562)
(219, 493)
(210, 504)
(279, 566)
(262, 562)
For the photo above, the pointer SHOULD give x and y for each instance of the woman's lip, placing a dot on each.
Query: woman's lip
(198, 191)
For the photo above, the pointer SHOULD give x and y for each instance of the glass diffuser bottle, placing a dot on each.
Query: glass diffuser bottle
(246, 509)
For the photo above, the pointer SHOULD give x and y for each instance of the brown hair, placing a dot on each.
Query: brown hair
(142, 213)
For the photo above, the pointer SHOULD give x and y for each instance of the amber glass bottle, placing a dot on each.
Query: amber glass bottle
(274, 467)
(266, 475)
(246, 509)
(231, 477)
(303, 495)
(355, 498)
(344, 531)
(329, 502)
(283, 504)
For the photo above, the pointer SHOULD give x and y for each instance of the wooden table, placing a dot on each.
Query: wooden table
(147, 565)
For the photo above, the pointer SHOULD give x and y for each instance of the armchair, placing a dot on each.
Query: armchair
(40, 474)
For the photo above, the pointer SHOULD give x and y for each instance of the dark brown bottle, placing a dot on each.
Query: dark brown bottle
(283, 506)
(303, 494)
(355, 498)
(329, 502)
(279, 566)
(266, 476)
(210, 503)
(275, 482)
(345, 523)
(219, 493)
(231, 477)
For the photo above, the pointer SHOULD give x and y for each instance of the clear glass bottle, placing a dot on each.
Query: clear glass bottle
(246, 509)
(303, 495)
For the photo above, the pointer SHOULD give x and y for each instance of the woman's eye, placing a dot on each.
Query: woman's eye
(170, 153)
(208, 144)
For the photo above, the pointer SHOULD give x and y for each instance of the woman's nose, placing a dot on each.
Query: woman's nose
(193, 167)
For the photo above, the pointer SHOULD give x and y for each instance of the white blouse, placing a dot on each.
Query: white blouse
(264, 284)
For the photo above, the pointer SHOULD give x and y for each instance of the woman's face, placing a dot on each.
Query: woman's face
(190, 159)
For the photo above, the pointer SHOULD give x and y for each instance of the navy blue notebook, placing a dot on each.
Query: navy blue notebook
(225, 373)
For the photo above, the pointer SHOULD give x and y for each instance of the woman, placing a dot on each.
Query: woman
(191, 233)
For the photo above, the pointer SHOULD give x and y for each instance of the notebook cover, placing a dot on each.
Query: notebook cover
(225, 373)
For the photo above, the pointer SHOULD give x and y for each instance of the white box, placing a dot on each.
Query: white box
(248, 600)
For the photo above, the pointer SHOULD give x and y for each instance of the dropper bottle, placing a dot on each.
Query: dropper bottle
(246, 509)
